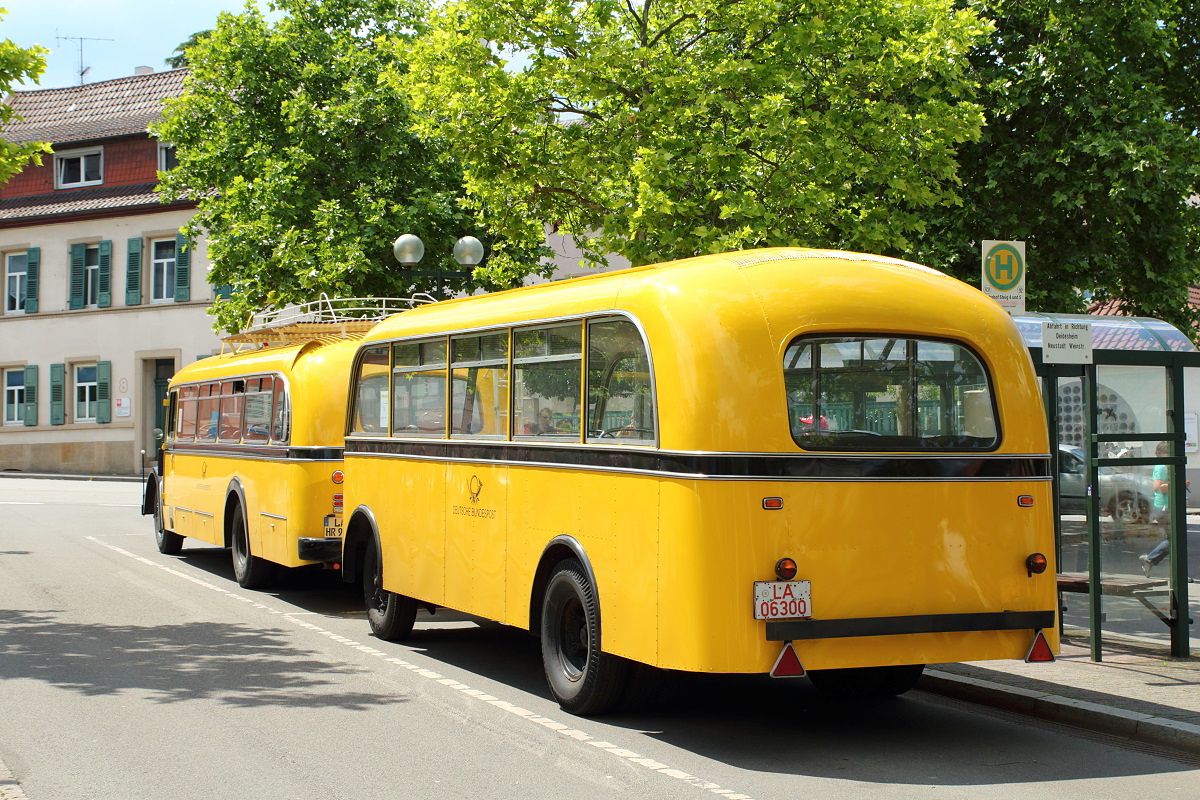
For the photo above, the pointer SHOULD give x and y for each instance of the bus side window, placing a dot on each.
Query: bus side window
(209, 412)
(546, 377)
(280, 420)
(187, 410)
(232, 399)
(419, 388)
(256, 416)
(371, 392)
(620, 398)
(479, 385)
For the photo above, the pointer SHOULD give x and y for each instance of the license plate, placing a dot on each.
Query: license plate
(782, 599)
(333, 527)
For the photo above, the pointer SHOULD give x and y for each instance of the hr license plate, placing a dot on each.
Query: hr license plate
(333, 527)
(782, 599)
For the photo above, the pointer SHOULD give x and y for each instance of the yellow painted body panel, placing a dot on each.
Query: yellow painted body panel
(286, 497)
(675, 556)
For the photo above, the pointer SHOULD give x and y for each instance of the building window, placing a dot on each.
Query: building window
(16, 282)
(79, 168)
(162, 270)
(14, 397)
(91, 276)
(166, 157)
(87, 393)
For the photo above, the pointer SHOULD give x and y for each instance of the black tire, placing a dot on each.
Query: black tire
(584, 680)
(250, 571)
(390, 615)
(169, 543)
(867, 682)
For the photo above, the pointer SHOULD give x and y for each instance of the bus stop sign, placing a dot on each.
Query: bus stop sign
(1004, 274)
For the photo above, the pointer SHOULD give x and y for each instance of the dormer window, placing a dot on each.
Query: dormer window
(79, 168)
(166, 157)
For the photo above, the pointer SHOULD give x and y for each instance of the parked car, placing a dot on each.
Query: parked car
(1124, 495)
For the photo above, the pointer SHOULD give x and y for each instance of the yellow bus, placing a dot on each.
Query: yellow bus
(776, 461)
(252, 456)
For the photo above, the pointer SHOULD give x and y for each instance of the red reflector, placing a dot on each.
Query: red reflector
(772, 503)
(1025, 501)
(1039, 651)
(788, 664)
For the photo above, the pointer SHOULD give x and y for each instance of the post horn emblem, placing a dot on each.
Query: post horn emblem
(475, 486)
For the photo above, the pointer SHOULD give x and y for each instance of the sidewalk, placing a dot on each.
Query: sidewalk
(1134, 694)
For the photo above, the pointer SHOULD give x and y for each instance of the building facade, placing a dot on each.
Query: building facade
(104, 299)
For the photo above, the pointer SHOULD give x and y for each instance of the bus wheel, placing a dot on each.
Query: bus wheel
(583, 679)
(391, 615)
(250, 571)
(867, 681)
(169, 543)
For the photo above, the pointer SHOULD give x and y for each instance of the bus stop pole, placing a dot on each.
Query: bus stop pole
(1177, 535)
(1095, 609)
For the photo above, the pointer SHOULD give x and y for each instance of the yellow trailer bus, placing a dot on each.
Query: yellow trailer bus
(773, 461)
(252, 455)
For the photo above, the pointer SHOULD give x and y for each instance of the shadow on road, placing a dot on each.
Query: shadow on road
(234, 664)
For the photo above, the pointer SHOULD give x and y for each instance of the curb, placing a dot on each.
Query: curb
(65, 477)
(1080, 713)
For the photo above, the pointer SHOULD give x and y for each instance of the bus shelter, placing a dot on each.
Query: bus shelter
(1117, 431)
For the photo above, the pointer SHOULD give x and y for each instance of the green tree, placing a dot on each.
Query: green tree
(304, 165)
(677, 127)
(1089, 155)
(18, 64)
(179, 58)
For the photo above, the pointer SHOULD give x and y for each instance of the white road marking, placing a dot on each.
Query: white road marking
(560, 728)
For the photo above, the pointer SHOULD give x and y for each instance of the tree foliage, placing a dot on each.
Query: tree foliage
(677, 127)
(179, 58)
(1089, 155)
(18, 64)
(304, 164)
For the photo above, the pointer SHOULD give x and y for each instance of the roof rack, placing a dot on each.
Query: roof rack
(337, 317)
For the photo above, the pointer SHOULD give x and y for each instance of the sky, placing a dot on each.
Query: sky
(143, 33)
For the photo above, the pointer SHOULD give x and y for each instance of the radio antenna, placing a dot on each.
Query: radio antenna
(81, 39)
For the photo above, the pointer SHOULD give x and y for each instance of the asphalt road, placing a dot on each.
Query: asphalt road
(127, 674)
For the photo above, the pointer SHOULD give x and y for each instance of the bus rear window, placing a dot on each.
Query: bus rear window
(887, 393)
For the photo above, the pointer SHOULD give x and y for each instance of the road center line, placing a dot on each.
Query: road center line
(560, 728)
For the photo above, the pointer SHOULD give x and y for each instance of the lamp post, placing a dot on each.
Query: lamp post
(409, 250)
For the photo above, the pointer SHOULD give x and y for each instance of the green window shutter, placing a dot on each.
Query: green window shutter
(133, 272)
(78, 252)
(30, 409)
(104, 279)
(103, 391)
(223, 290)
(33, 264)
(58, 388)
(183, 269)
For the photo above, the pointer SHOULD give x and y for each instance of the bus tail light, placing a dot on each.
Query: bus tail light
(785, 569)
(338, 476)
(787, 665)
(1039, 651)
(337, 504)
(1036, 564)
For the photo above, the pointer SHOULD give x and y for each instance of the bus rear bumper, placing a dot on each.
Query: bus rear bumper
(320, 549)
(801, 629)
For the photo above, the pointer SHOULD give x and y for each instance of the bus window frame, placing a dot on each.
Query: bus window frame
(419, 367)
(882, 443)
(580, 399)
(623, 442)
(481, 363)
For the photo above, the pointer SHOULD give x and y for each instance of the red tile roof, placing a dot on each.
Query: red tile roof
(118, 107)
(95, 198)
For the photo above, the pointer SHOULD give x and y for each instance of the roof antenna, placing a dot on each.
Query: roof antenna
(81, 39)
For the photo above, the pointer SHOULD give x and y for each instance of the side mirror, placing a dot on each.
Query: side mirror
(158, 434)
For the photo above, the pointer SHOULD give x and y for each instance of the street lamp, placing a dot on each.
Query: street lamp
(409, 249)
